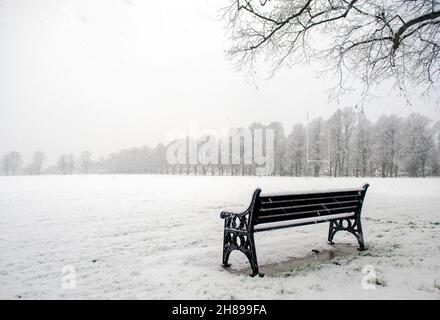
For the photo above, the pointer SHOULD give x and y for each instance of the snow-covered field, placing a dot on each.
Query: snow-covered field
(154, 237)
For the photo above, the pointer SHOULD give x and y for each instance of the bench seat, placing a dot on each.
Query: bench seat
(300, 222)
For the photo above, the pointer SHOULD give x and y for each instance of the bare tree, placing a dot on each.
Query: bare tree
(317, 140)
(37, 162)
(11, 163)
(336, 136)
(85, 161)
(359, 40)
(389, 144)
(420, 144)
(62, 164)
(101, 165)
(296, 150)
(435, 156)
(66, 163)
(348, 120)
(389, 147)
(341, 128)
(70, 162)
(280, 138)
(362, 145)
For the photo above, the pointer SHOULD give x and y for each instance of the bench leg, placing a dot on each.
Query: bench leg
(331, 232)
(243, 243)
(359, 234)
(252, 256)
(353, 226)
(226, 254)
(226, 251)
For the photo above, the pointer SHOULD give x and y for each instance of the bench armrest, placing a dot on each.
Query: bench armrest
(226, 214)
(235, 222)
(229, 215)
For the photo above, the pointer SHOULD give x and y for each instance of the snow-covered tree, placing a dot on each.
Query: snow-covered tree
(435, 155)
(317, 133)
(296, 150)
(362, 43)
(11, 163)
(280, 138)
(62, 164)
(37, 162)
(66, 164)
(348, 122)
(85, 161)
(388, 144)
(341, 130)
(419, 144)
(362, 145)
(336, 136)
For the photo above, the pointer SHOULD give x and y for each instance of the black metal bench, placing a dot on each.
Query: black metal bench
(342, 208)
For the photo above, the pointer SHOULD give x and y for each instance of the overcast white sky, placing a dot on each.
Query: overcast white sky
(111, 74)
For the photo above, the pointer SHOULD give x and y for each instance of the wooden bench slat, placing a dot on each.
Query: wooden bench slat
(269, 211)
(285, 203)
(293, 196)
(304, 214)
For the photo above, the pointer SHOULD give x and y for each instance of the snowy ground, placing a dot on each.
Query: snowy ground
(154, 237)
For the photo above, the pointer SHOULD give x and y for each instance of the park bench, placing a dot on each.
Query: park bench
(342, 208)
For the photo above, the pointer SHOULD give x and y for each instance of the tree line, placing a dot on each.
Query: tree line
(346, 144)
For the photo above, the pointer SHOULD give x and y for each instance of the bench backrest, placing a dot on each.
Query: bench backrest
(283, 207)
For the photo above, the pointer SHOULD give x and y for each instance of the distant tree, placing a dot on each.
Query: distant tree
(389, 144)
(66, 163)
(296, 150)
(85, 161)
(253, 127)
(348, 122)
(362, 145)
(381, 145)
(191, 144)
(361, 42)
(203, 146)
(341, 132)
(435, 156)
(112, 163)
(317, 144)
(145, 161)
(70, 162)
(337, 144)
(159, 158)
(11, 163)
(37, 162)
(101, 165)
(62, 164)
(389, 147)
(278, 146)
(434, 161)
(419, 144)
